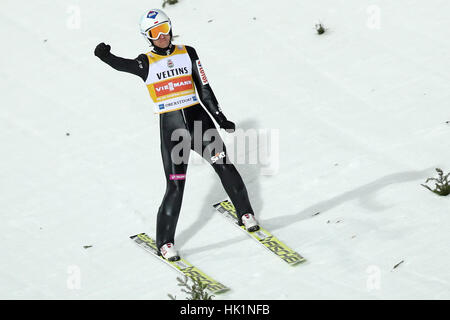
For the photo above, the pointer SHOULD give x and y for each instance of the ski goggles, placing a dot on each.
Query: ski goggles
(155, 32)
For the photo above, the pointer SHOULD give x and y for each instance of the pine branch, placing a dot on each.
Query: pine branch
(195, 292)
(442, 185)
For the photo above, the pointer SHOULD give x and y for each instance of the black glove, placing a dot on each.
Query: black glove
(228, 125)
(102, 50)
(223, 122)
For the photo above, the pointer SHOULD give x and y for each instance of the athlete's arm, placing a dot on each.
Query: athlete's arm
(138, 66)
(205, 92)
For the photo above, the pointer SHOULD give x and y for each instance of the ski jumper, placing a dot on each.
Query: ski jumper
(176, 81)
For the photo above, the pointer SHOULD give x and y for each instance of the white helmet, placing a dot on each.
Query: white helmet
(150, 19)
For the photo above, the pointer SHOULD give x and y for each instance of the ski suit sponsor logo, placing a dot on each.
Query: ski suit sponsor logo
(172, 72)
(172, 86)
(218, 156)
(177, 177)
(178, 102)
(152, 14)
(201, 72)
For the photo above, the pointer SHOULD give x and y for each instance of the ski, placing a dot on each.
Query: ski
(262, 236)
(182, 265)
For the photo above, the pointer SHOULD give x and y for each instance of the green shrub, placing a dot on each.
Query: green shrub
(442, 186)
(195, 292)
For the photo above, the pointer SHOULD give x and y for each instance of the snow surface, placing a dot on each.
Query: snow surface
(361, 114)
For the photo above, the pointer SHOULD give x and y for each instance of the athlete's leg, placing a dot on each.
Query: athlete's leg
(214, 152)
(175, 161)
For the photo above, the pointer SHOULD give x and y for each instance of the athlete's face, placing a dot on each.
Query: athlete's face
(163, 41)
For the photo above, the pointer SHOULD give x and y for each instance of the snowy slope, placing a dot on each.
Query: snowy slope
(361, 114)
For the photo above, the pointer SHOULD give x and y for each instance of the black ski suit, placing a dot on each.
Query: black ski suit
(184, 118)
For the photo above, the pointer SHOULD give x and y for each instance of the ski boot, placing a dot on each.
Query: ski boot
(248, 220)
(169, 252)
